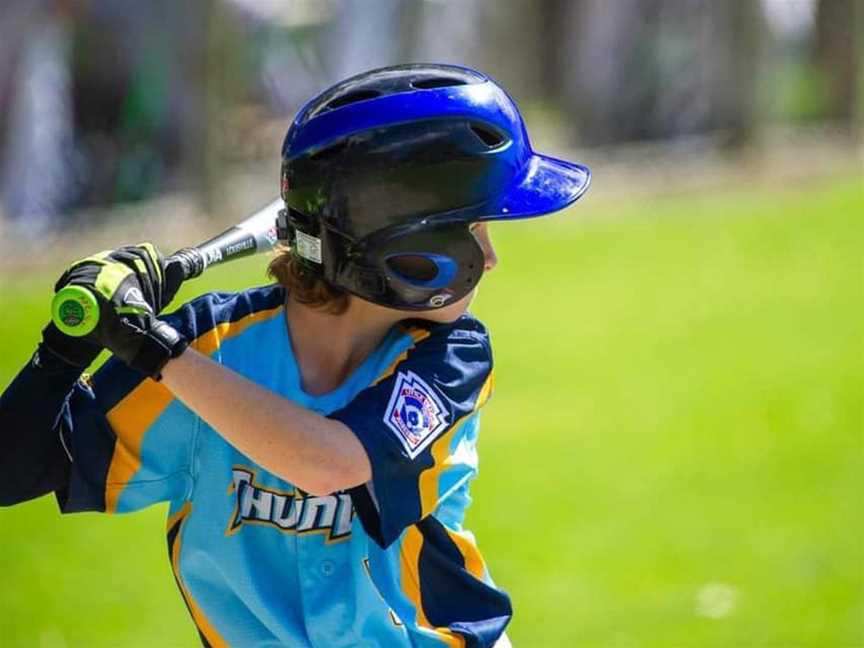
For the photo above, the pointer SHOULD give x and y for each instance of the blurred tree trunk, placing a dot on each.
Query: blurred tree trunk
(838, 56)
(731, 32)
(367, 34)
(484, 34)
(652, 69)
(591, 49)
(221, 88)
(213, 67)
(514, 31)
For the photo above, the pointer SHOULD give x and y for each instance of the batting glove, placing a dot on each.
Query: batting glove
(132, 285)
(134, 277)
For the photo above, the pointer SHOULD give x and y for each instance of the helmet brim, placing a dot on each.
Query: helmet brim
(548, 185)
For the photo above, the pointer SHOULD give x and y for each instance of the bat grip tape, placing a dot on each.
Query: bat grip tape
(191, 262)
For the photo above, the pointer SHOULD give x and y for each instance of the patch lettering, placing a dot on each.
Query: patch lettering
(415, 413)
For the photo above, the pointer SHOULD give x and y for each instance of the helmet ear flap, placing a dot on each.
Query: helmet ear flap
(424, 266)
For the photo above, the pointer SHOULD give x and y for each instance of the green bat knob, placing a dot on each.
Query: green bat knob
(75, 311)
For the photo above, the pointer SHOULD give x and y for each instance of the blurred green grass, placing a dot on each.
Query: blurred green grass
(673, 455)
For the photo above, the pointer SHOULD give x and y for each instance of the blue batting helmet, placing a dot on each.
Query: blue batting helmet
(383, 173)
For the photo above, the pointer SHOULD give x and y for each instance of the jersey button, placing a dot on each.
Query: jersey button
(327, 568)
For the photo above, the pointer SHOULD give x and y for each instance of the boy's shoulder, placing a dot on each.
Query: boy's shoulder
(213, 309)
(466, 335)
(466, 325)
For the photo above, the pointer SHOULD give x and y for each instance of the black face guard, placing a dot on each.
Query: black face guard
(415, 266)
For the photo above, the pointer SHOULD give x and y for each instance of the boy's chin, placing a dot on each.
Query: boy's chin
(448, 313)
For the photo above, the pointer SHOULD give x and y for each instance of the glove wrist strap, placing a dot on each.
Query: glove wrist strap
(160, 344)
(175, 351)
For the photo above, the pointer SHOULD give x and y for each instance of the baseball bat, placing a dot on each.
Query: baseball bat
(75, 310)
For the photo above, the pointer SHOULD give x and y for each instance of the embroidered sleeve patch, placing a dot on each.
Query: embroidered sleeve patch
(415, 413)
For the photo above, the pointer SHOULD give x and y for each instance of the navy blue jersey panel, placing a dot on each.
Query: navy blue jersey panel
(90, 441)
(215, 308)
(438, 384)
(32, 459)
(483, 633)
(454, 598)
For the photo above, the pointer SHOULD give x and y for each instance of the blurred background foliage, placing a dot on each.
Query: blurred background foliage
(115, 101)
(674, 453)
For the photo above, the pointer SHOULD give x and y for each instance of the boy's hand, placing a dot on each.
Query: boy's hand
(133, 278)
(132, 287)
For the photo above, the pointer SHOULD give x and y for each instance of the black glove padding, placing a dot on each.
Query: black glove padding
(78, 352)
(141, 341)
(131, 286)
(141, 283)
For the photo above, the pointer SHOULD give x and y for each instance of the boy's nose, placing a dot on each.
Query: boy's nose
(490, 258)
(481, 233)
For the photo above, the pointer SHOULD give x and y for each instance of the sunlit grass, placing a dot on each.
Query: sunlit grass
(672, 457)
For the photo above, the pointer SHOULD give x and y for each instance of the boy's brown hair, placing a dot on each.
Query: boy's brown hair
(304, 286)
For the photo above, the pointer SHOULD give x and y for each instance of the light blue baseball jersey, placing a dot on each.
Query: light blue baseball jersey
(258, 561)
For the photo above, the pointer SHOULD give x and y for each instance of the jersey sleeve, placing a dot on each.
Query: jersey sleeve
(129, 440)
(418, 425)
(131, 443)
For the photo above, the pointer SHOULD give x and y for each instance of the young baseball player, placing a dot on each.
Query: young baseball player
(314, 438)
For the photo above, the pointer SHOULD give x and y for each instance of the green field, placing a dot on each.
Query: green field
(672, 457)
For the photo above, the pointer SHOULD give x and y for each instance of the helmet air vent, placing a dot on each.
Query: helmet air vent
(489, 137)
(437, 82)
(352, 97)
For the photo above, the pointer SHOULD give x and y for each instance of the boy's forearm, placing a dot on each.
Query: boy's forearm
(317, 454)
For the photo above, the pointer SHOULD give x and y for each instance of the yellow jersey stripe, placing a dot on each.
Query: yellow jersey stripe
(208, 342)
(204, 625)
(486, 391)
(418, 335)
(409, 557)
(429, 478)
(129, 419)
(179, 515)
(474, 563)
(428, 482)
